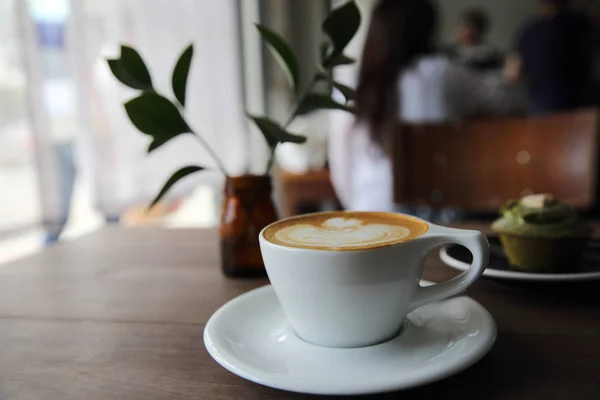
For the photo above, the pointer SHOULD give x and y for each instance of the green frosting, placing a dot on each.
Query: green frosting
(551, 220)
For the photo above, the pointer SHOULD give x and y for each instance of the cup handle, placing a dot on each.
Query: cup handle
(475, 242)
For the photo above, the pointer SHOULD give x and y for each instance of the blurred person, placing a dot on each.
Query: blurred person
(470, 49)
(58, 100)
(58, 97)
(402, 79)
(555, 57)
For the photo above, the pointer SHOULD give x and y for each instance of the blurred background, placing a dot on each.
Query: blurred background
(71, 162)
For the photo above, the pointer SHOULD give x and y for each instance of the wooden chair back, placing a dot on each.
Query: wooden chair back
(477, 165)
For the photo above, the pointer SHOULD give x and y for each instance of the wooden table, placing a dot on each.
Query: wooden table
(119, 315)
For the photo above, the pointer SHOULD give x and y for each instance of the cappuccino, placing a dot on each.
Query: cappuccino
(344, 231)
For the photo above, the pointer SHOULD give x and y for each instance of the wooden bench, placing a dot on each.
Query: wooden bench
(477, 165)
(313, 188)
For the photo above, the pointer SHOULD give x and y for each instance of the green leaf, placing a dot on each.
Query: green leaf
(180, 174)
(156, 116)
(123, 76)
(134, 64)
(348, 92)
(320, 77)
(338, 60)
(315, 101)
(325, 50)
(180, 74)
(340, 26)
(283, 53)
(159, 141)
(321, 74)
(274, 133)
(130, 69)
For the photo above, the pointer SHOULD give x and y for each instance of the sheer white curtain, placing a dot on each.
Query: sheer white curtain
(160, 30)
(111, 154)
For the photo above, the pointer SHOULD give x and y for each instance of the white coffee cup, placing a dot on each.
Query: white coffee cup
(357, 298)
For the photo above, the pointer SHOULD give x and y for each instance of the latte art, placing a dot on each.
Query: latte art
(340, 232)
(344, 231)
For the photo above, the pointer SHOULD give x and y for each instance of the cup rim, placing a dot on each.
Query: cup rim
(264, 240)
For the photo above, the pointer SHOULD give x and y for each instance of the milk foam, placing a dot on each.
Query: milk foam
(340, 232)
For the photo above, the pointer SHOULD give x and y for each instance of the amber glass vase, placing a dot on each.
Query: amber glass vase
(247, 208)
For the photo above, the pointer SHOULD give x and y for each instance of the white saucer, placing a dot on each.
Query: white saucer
(250, 337)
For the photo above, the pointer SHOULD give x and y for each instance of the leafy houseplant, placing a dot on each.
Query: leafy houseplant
(247, 207)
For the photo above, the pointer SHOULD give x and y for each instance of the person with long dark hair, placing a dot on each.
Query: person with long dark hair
(402, 79)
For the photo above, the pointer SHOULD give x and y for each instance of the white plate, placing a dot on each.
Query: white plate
(520, 276)
(250, 337)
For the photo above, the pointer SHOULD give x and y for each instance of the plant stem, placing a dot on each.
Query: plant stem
(204, 143)
(271, 160)
(295, 109)
(298, 103)
(212, 153)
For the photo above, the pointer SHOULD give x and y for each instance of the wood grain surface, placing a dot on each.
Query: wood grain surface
(119, 314)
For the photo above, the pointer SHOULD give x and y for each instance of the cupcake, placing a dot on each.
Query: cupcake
(541, 234)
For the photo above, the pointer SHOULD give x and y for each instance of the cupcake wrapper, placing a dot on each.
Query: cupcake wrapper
(543, 254)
